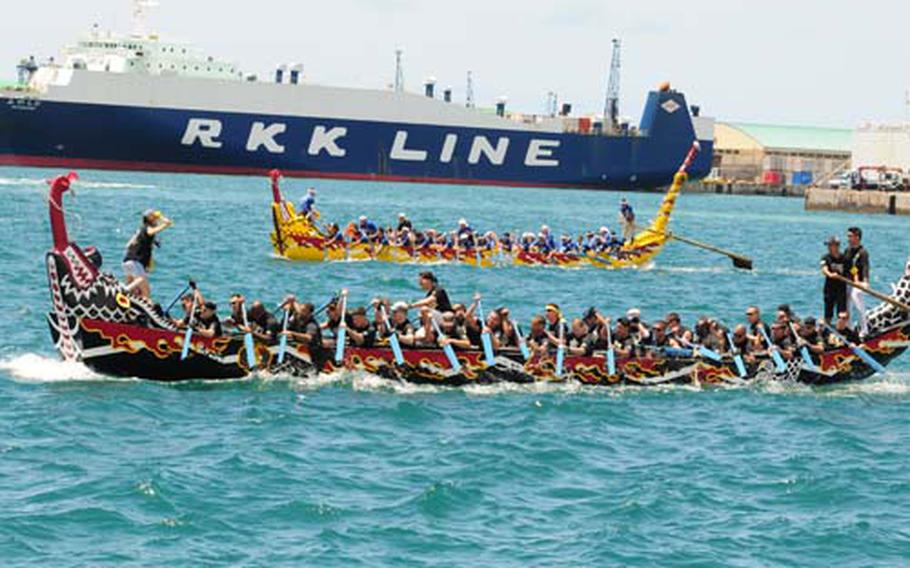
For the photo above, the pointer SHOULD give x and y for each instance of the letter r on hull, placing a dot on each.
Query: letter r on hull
(202, 130)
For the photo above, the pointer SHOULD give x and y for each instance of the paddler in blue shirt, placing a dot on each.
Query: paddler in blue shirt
(567, 245)
(547, 239)
(366, 229)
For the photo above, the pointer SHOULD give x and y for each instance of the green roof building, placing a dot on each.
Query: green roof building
(777, 154)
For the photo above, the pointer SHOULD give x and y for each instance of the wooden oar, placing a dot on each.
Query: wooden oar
(775, 354)
(188, 336)
(739, 261)
(447, 348)
(342, 329)
(393, 338)
(857, 350)
(874, 293)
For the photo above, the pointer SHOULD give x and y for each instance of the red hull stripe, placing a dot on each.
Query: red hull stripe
(92, 164)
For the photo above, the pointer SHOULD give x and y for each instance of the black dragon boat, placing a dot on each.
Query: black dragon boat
(97, 320)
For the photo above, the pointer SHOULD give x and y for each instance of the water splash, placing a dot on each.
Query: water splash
(32, 367)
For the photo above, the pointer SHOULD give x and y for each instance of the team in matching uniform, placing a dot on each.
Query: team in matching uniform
(465, 238)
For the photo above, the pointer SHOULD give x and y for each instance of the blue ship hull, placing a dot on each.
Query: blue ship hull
(48, 133)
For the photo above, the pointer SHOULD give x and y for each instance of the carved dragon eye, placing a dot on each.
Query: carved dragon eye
(123, 301)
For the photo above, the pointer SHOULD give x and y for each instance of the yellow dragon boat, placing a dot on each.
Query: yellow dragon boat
(297, 237)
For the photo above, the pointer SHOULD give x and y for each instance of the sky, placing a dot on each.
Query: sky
(827, 63)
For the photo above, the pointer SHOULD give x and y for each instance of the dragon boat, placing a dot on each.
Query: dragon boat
(296, 237)
(95, 319)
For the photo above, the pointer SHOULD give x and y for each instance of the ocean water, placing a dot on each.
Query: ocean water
(351, 470)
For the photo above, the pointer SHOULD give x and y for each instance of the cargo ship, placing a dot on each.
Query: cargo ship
(136, 102)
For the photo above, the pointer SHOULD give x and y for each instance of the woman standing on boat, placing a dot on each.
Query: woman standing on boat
(137, 262)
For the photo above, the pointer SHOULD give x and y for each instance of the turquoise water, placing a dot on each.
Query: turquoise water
(351, 470)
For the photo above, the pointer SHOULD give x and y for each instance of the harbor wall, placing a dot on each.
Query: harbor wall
(746, 189)
(891, 203)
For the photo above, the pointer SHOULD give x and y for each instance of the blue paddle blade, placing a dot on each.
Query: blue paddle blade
(477, 256)
(396, 349)
(488, 349)
(677, 352)
(611, 361)
(807, 359)
(525, 352)
(710, 354)
(339, 345)
(282, 348)
(775, 355)
(737, 358)
(560, 359)
(250, 350)
(453, 360)
(869, 360)
(187, 338)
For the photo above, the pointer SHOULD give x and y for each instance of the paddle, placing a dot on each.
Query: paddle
(737, 357)
(248, 340)
(857, 350)
(342, 329)
(176, 299)
(447, 349)
(561, 348)
(611, 353)
(772, 349)
(485, 338)
(525, 352)
(739, 261)
(188, 336)
(393, 338)
(706, 352)
(874, 293)
(283, 343)
(804, 350)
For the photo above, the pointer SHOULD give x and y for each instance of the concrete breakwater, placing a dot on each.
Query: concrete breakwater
(892, 203)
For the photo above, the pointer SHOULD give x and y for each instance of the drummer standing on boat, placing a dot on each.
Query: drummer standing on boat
(626, 219)
(137, 262)
(857, 263)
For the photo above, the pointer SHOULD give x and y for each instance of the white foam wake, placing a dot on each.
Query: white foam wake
(42, 369)
(78, 184)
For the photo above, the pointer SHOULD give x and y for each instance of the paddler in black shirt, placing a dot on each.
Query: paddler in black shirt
(263, 325)
(436, 299)
(303, 328)
(833, 264)
(360, 330)
(207, 322)
(857, 263)
(137, 262)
